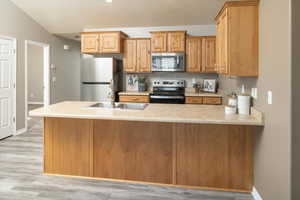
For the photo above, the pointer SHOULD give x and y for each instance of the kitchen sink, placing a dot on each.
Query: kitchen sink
(122, 106)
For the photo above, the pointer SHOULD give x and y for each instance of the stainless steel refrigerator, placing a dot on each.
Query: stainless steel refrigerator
(96, 77)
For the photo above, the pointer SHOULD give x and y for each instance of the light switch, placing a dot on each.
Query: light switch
(53, 79)
(270, 97)
(254, 93)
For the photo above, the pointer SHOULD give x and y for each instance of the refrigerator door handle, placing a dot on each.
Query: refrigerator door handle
(96, 83)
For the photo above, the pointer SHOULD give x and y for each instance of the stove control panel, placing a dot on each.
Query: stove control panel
(168, 83)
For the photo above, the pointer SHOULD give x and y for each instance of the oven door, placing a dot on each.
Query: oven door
(167, 99)
(168, 62)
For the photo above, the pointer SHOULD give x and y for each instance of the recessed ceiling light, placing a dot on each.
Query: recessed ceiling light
(108, 1)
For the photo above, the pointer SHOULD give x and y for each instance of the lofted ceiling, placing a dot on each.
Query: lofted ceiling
(72, 16)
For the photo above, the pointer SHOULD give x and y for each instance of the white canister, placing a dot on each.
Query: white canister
(244, 104)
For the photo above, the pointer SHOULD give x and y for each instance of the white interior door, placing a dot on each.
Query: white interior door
(7, 54)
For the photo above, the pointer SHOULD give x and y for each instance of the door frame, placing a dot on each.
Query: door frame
(14, 79)
(46, 75)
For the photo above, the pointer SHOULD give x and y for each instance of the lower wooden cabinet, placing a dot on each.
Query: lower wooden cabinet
(134, 99)
(204, 100)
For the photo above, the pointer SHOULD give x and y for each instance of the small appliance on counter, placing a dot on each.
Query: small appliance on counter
(231, 108)
(168, 91)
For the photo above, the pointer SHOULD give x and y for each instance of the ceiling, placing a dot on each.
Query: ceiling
(72, 16)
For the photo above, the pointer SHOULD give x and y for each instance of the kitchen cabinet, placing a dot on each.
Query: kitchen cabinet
(209, 54)
(194, 54)
(169, 41)
(237, 39)
(137, 57)
(102, 42)
(89, 43)
(201, 54)
(134, 99)
(203, 100)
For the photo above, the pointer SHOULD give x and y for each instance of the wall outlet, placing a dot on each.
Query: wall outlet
(270, 97)
(53, 79)
(254, 93)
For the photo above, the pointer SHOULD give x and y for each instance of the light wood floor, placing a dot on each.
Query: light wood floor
(21, 178)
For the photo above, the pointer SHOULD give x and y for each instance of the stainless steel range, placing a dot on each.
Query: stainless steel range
(168, 91)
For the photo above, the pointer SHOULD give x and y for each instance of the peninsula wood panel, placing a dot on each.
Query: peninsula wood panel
(139, 151)
(68, 146)
(218, 156)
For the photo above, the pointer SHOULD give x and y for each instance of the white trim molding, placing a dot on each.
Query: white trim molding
(21, 131)
(35, 103)
(255, 194)
(46, 76)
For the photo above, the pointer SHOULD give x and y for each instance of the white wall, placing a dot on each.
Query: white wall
(35, 73)
(15, 23)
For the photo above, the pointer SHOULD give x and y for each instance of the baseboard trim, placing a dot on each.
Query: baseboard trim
(21, 131)
(35, 103)
(255, 194)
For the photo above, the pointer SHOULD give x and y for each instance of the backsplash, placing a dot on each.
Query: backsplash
(188, 77)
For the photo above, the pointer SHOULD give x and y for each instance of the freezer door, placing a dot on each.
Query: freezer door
(98, 70)
(95, 92)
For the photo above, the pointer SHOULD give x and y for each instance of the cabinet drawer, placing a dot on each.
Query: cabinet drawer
(194, 100)
(212, 100)
(135, 99)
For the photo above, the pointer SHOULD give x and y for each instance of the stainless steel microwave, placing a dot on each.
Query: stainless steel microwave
(168, 62)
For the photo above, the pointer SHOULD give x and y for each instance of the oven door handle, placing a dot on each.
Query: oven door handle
(166, 97)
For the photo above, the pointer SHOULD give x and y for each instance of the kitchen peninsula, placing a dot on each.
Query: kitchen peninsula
(182, 145)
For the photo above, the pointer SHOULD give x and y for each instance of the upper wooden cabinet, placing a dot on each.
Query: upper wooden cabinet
(159, 41)
(209, 54)
(200, 54)
(237, 39)
(194, 54)
(137, 55)
(170, 41)
(89, 43)
(102, 42)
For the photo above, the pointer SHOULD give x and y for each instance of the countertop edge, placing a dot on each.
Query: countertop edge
(187, 121)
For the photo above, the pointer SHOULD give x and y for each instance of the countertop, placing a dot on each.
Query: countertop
(176, 113)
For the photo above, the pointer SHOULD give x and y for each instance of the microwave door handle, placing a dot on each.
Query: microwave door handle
(177, 61)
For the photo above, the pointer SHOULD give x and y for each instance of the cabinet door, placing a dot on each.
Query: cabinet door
(110, 43)
(129, 57)
(143, 56)
(176, 42)
(209, 54)
(193, 54)
(223, 68)
(159, 42)
(89, 43)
